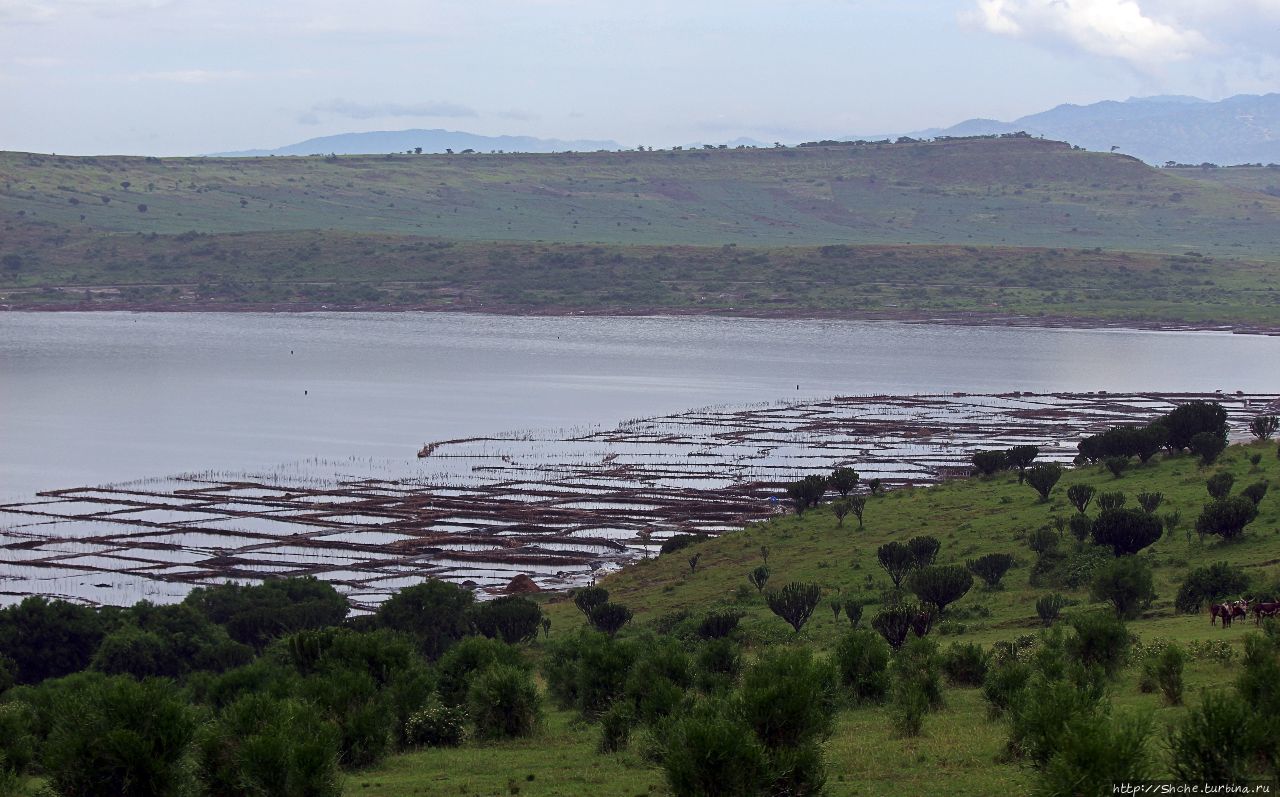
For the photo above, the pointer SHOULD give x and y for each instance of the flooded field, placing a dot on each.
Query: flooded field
(557, 506)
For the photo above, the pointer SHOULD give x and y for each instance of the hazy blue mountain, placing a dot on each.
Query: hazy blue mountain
(1240, 129)
(430, 141)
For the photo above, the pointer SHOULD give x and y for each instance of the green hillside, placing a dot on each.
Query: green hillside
(961, 749)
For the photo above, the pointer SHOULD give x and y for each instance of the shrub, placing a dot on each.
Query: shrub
(456, 668)
(1004, 685)
(788, 698)
(1219, 484)
(1040, 718)
(893, 622)
(1191, 419)
(363, 714)
(1208, 584)
(910, 704)
(1042, 478)
(923, 550)
(132, 651)
(504, 703)
(1255, 492)
(1043, 540)
(609, 618)
(48, 639)
(1227, 517)
(121, 736)
(863, 660)
(896, 559)
(1020, 457)
(588, 598)
(991, 568)
(436, 613)
(17, 740)
(1264, 426)
(806, 492)
(1117, 465)
(795, 603)
(1150, 502)
(711, 751)
(1165, 671)
(256, 614)
(988, 462)
(1217, 742)
(1126, 531)
(512, 618)
(588, 671)
(1110, 501)
(840, 508)
(853, 612)
(718, 665)
(1049, 607)
(1081, 526)
(1126, 584)
(718, 624)
(1080, 495)
(941, 585)
(1208, 446)
(436, 725)
(658, 681)
(1096, 751)
(676, 542)
(1100, 640)
(615, 728)
(267, 746)
(917, 684)
(965, 664)
(759, 577)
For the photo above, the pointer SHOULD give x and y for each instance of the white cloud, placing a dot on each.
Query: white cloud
(1145, 35)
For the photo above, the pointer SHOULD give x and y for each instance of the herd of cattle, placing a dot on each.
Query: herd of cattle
(1233, 609)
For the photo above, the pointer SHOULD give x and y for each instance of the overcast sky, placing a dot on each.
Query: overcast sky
(190, 76)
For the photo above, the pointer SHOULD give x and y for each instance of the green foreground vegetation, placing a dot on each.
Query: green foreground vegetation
(779, 659)
(979, 228)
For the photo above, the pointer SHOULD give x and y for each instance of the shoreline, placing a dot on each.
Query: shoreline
(956, 318)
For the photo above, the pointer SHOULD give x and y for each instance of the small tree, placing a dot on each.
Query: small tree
(504, 703)
(853, 611)
(894, 623)
(795, 603)
(1149, 440)
(1255, 492)
(843, 480)
(589, 598)
(1042, 478)
(1048, 607)
(609, 618)
(1219, 485)
(511, 618)
(759, 577)
(1211, 583)
(693, 562)
(840, 508)
(1126, 584)
(857, 504)
(988, 462)
(1110, 501)
(1117, 465)
(1081, 526)
(924, 549)
(1080, 495)
(1021, 457)
(1042, 541)
(940, 585)
(1150, 502)
(1193, 418)
(1208, 446)
(1264, 426)
(991, 568)
(1126, 531)
(896, 559)
(1227, 517)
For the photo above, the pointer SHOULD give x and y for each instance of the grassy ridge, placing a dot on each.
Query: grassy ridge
(1017, 192)
(959, 753)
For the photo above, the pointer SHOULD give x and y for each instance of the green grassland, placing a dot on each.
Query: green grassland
(960, 751)
(1264, 180)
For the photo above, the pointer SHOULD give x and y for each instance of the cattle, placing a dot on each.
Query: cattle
(1222, 610)
(1261, 610)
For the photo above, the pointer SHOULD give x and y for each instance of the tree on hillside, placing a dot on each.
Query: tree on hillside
(988, 462)
(1021, 457)
(990, 568)
(1219, 484)
(1208, 446)
(1126, 531)
(795, 603)
(843, 480)
(1227, 517)
(896, 559)
(1080, 495)
(1264, 426)
(1126, 584)
(924, 549)
(1042, 478)
(940, 585)
(1192, 418)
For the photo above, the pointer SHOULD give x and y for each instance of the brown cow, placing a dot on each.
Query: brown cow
(1222, 610)
(1261, 610)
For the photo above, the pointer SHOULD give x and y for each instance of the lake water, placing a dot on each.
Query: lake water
(93, 398)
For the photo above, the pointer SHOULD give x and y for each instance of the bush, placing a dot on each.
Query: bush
(924, 550)
(511, 618)
(676, 542)
(1049, 607)
(1081, 526)
(718, 666)
(711, 751)
(588, 671)
(588, 598)
(658, 681)
(504, 703)
(1150, 502)
(1043, 541)
(1165, 671)
(941, 585)
(17, 740)
(1040, 718)
(1208, 446)
(1096, 751)
(121, 736)
(1004, 685)
(991, 568)
(1100, 640)
(48, 639)
(609, 618)
(893, 622)
(1209, 584)
(615, 728)
(897, 560)
(1218, 742)
(788, 698)
(1117, 465)
(863, 661)
(853, 612)
(1264, 426)
(1080, 495)
(1219, 484)
(271, 747)
(256, 614)
(1227, 517)
(436, 725)
(987, 463)
(1126, 584)
(843, 480)
(131, 651)
(363, 714)
(435, 613)
(917, 685)
(717, 625)
(470, 656)
(795, 603)
(1191, 419)
(1255, 492)
(1111, 501)
(1042, 478)
(965, 664)
(1020, 457)
(759, 577)
(1126, 531)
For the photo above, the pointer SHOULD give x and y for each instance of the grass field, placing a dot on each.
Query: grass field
(960, 751)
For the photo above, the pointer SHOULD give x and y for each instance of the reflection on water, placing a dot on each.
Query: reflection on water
(93, 398)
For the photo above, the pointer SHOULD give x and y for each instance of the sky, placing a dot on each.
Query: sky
(174, 77)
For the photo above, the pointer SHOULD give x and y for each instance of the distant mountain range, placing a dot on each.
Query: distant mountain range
(1240, 129)
(430, 140)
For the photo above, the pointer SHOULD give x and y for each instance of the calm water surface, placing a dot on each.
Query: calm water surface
(92, 398)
